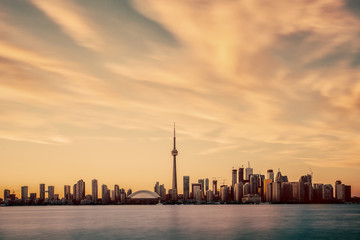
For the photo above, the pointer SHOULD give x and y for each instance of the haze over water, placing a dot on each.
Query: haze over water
(181, 222)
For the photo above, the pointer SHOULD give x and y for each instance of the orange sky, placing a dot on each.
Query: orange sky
(90, 89)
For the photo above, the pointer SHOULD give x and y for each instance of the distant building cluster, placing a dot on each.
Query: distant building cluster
(76, 196)
(246, 187)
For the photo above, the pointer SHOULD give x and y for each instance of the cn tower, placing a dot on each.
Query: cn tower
(174, 152)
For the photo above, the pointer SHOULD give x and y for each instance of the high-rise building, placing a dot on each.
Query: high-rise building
(51, 192)
(318, 192)
(94, 189)
(74, 191)
(209, 196)
(186, 187)
(248, 172)
(267, 189)
(116, 194)
(241, 174)
(347, 193)
(42, 192)
(201, 181)
(80, 190)
(105, 194)
(270, 174)
(234, 178)
(24, 193)
(206, 184)
(224, 193)
(32, 197)
(308, 190)
(254, 183)
(67, 194)
(339, 190)
(162, 192)
(195, 187)
(6, 194)
(129, 191)
(238, 193)
(328, 192)
(174, 153)
(157, 188)
(276, 190)
(214, 188)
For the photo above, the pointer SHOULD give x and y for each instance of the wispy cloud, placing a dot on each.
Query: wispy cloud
(73, 21)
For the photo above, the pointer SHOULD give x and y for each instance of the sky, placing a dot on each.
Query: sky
(91, 89)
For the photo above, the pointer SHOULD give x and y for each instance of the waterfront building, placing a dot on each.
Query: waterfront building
(307, 181)
(268, 193)
(6, 194)
(42, 192)
(206, 184)
(339, 190)
(80, 190)
(209, 196)
(328, 192)
(238, 193)
(32, 197)
(195, 187)
(129, 191)
(94, 190)
(56, 197)
(270, 174)
(254, 183)
(162, 192)
(248, 172)
(174, 153)
(214, 187)
(246, 189)
(24, 193)
(266, 182)
(201, 181)
(186, 187)
(116, 193)
(317, 192)
(74, 191)
(104, 190)
(347, 193)
(234, 178)
(157, 188)
(143, 197)
(67, 194)
(276, 191)
(224, 193)
(51, 192)
(241, 174)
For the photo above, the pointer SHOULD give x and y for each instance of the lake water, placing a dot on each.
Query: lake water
(181, 222)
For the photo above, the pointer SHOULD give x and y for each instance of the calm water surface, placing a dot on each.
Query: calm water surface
(181, 222)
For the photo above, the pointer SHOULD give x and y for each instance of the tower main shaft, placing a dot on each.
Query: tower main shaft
(174, 153)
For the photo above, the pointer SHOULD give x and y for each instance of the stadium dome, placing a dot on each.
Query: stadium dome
(143, 197)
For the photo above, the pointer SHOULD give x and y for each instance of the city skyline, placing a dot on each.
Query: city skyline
(91, 89)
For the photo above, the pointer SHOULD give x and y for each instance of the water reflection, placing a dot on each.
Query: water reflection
(181, 222)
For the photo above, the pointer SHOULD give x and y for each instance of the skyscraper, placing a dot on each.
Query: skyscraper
(174, 153)
(248, 171)
(94, 190)
(24, 193)
(234, 178)
(117, 193)
(80, 190)
(157, 188)
(42, 191)
(186, 187)
(206, 184)
(241, 174)
(67, 191)
(51, 192)
(214, 188)
(270, 174)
